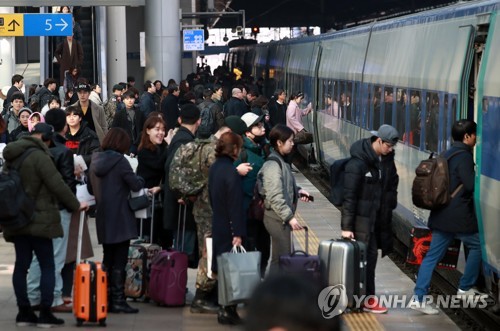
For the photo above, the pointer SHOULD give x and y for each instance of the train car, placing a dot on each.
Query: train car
(419, 73)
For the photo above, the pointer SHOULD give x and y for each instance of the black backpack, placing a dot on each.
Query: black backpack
(16, 207)
(337, 175)
(207, 126)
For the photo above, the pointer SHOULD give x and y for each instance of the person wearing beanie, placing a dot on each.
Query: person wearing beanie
(45, 185)
(22, 129)
(236, 124)
(63, 159)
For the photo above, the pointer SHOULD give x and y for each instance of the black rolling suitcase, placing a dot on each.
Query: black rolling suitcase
(300, 262)
(343, 262)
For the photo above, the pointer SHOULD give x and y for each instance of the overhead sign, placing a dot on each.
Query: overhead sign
(194, 40)
(36, 25)
(11, 25)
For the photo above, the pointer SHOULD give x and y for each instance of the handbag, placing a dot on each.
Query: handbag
(138, 202)
(303, 137)
(238, 274)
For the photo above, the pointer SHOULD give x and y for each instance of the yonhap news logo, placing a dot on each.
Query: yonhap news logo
(333, 301)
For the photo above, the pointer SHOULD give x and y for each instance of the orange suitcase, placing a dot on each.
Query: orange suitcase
(90, 302)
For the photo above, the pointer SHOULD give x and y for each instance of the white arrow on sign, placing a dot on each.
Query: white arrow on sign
(64, 24)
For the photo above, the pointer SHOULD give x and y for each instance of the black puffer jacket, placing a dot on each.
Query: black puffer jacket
(370, 195)
(84, 142)
(63, 159)
(459, 215)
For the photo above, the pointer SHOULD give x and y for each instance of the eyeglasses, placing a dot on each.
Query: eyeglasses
(390, 145)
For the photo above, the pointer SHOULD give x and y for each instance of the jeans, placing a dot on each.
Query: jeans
(439, 244)
(24, 247)
(60, 246)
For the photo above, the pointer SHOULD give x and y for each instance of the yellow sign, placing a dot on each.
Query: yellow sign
(11, 25)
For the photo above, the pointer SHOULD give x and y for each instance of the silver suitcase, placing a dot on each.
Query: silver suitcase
(343, 262)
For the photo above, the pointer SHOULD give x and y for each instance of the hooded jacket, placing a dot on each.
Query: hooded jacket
(45, 185)
(111, 180)
(370, 195)
(83, 143)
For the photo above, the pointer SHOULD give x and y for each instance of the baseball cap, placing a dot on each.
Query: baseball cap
(251, 119)
(387, 133)
(118, 87)
(46, 130)
(83, 87)
(236, 124)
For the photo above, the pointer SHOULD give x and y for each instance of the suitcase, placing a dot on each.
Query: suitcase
(90, 297)
(300, 262)
(169, 273)
(343, 262)
(138, 268)
(420, 242)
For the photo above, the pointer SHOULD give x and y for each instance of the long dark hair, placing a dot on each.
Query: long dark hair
(150, 123)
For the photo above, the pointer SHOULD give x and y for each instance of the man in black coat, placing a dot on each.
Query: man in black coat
(370, 195)
(235, 105)
(277, 108)
(170, 107)
(190, 121)
(17, 84)
(455, 220)
(131, 119)
(147, 102)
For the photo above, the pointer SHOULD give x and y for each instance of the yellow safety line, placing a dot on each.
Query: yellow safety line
(355, 321)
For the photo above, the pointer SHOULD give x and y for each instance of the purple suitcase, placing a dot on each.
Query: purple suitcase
(300, 262)
(168, 279)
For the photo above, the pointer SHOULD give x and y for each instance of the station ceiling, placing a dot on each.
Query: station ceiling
(327, 14)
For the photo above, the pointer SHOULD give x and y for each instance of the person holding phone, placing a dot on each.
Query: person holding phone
(281, 193)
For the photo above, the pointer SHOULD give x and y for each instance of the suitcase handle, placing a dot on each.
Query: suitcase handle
(80, 235)
(292, 248)
(152, 221)
(299, 253)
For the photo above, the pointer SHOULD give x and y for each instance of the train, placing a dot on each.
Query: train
(419, 73)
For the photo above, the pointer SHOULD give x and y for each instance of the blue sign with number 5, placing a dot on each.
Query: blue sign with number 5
(48, 25)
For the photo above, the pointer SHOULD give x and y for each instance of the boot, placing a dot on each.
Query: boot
(47, 319)
(229, 315)
(118, 304)
(202, 304)
(26, 317)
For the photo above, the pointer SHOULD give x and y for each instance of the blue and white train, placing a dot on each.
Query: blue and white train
(419, 73)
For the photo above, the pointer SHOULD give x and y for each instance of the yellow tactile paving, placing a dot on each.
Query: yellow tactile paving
(354, 321)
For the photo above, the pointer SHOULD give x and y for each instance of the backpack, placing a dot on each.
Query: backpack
(207, 126)
(256, 207)
(16, 207)
(337, 175)
(186, 174)
(431, 186)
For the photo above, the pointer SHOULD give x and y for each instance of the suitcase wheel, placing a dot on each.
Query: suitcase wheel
(79, 322)
(102, 322)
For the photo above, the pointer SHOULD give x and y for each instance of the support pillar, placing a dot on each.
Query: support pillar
(116, 44)
(163, 41)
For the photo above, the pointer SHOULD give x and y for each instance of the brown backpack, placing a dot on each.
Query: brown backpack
(431, 186)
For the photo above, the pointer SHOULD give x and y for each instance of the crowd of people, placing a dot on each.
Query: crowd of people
(234, 139)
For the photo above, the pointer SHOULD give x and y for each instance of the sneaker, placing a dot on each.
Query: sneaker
(472, 292)
(372, 306)
(47, 319)
(422, 307)
(26, 317)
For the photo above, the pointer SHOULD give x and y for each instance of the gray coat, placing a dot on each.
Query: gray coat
(279, 188)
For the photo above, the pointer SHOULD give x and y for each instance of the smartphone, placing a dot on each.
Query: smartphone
(311, 198)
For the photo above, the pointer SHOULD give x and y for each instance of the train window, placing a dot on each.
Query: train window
(432, 122)
(387, 105)
(376, 106)
(345, 102)
(415, 119)
(402, 100)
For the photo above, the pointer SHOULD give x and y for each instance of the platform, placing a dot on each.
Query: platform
(324, 223)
